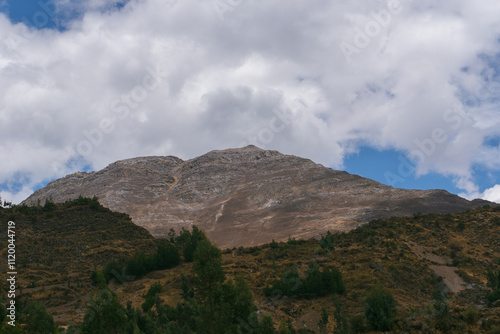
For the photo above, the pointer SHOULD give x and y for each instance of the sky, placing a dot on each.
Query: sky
(404, 92)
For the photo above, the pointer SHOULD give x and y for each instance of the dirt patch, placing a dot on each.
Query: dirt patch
(440, 267)
(309, 321)
(450, 278)
(426, 253)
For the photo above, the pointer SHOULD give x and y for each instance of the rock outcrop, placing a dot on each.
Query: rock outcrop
(246, 196)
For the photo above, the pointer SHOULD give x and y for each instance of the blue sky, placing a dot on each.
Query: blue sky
(383, 166)
(49, 14)
(34, 13)
(406, 93)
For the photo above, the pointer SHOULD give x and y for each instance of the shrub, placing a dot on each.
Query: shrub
(494, 285)
(284, 328)
(315, 282)
(189, 241)
(151, 296)
(98, 279)
(442, 314)
(326, 242)
(81, 200)
(380, 309)
(111, 270)
(49, 205)
(358, 324)
(94, 204)
(207, 269)
(341, 324)
(471, 315)
(187, 290)
(104, 315)
(324, 319)
(140, 264)
(291, 241)
(167, 256)
(37, 320)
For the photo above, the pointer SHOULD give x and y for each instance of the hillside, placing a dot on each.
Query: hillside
(244, 197)
(413, 257)
(58, 246)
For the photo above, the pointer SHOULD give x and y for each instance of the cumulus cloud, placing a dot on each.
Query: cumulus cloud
(492, 194)
(314, 79)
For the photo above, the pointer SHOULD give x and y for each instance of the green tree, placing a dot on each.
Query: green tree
(37, 320)
(315, 283)
(187, 290)
(441, 310)
(140, 264)
(98, 279)
(380, 309)
(167, 256)
(266, 325)
(327, 243)
(494, 284)
(94, 203)
(240, 299)
(151, 296)
(222, 304)
(207, 269)
(191, 241)
(208, 278)
(341, 323)
(49, 205)
(111, 269)
(104, 315)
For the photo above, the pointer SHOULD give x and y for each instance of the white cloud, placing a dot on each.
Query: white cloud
(224, 78)
(17, 196)
(492, 194)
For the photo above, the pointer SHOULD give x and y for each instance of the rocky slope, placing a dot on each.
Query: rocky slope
(244, 197)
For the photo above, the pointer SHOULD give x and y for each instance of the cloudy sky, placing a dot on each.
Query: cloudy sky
(404, 92)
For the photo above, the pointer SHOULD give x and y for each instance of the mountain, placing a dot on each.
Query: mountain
(244, 197)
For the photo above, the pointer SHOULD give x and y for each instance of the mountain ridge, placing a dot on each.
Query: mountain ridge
(245, 196)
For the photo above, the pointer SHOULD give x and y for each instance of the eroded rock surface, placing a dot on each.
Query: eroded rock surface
(244, 197)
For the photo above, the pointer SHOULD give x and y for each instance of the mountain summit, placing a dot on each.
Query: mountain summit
(245, 196)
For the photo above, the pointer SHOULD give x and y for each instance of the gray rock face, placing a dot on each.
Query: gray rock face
(244, 197)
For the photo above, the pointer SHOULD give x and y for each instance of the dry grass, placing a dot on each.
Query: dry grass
(58, 250)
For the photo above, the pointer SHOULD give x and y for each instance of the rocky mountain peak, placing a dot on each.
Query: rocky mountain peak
(245, 196)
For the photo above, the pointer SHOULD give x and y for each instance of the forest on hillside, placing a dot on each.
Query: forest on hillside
(371, 279)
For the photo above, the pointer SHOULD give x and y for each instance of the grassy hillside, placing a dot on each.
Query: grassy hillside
(420, 260)
(59, 245)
